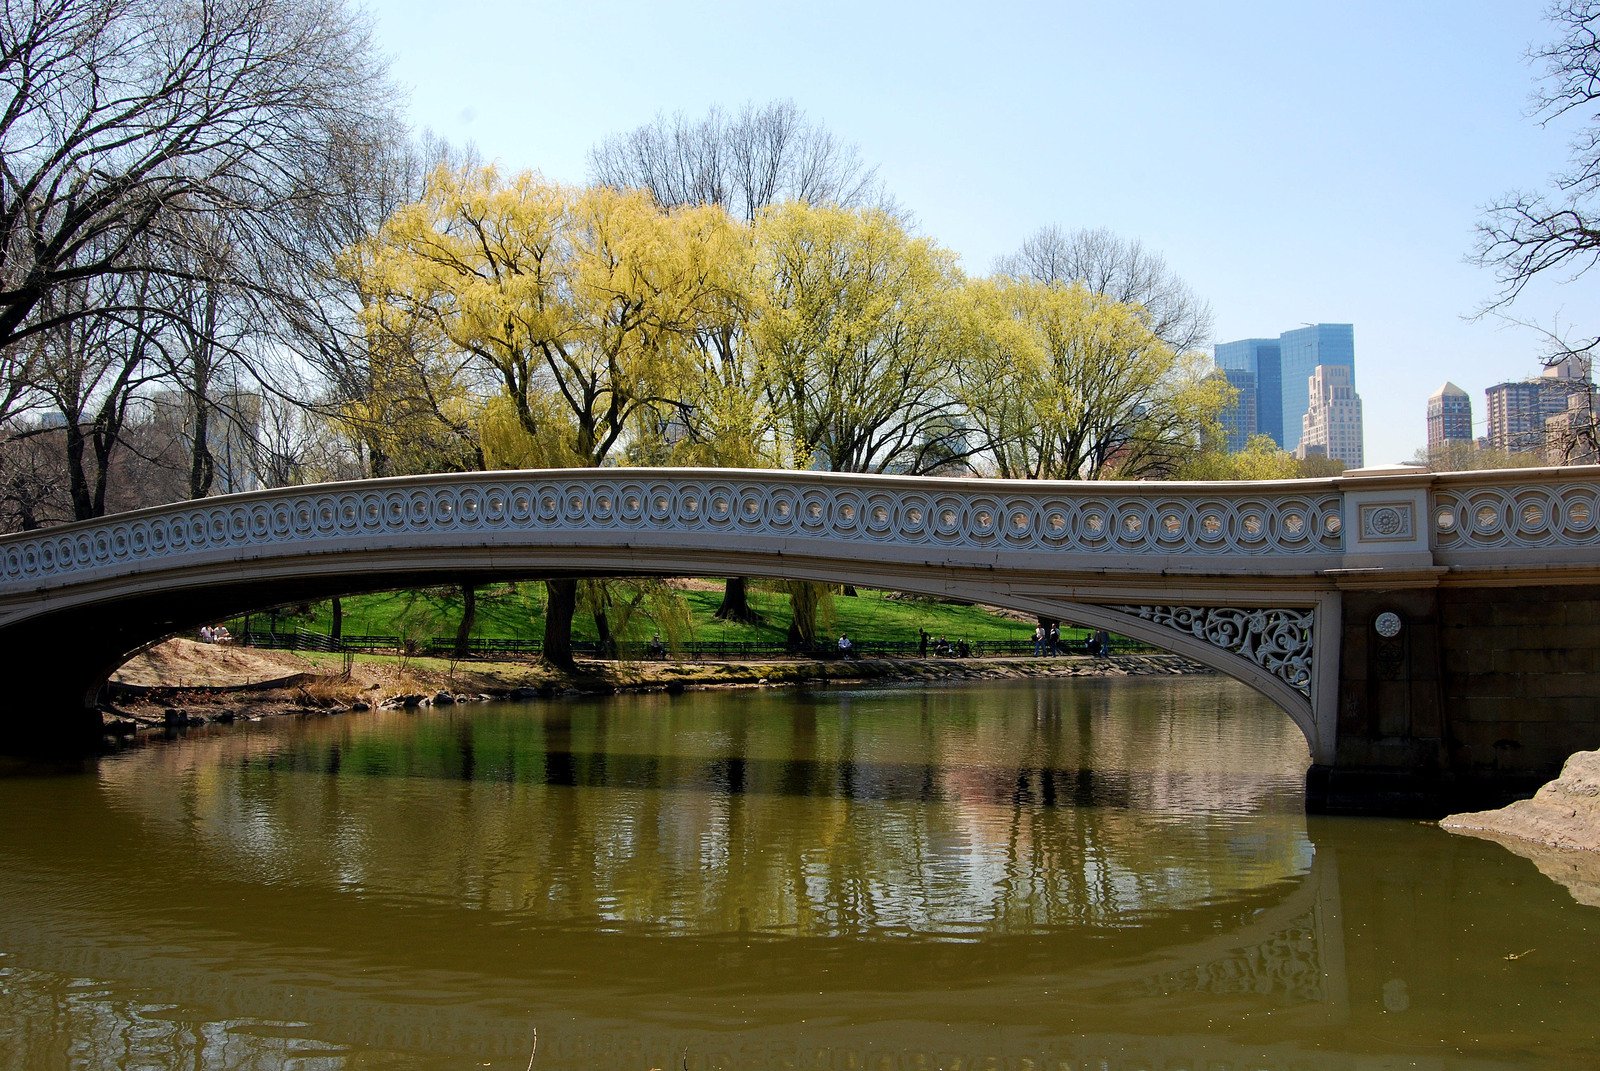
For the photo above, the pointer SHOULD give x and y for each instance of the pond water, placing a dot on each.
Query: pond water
(1075, 874)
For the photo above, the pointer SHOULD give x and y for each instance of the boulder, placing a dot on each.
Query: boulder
(1564, 814)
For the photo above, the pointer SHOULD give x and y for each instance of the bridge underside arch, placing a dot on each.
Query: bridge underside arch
(1281, 644)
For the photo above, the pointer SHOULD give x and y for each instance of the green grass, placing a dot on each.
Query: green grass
(516, 611)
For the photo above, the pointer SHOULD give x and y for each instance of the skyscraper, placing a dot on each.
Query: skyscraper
(1282, 370)
(1302, 351)
(1239, 419)
(1449, 418)
(1257, 359)
(1518, 411)
(1332, 424)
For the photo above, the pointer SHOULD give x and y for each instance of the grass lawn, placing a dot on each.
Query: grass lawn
(516, 612)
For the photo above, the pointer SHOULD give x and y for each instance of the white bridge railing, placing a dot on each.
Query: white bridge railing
(1480, 515)
(1300, 527)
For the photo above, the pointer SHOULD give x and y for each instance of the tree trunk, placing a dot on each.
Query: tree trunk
(77, 476)
(336, 629)
(202, 466)
(802, 616)
(736, 603)
(469, 611)
(560, 603)
(107, 433)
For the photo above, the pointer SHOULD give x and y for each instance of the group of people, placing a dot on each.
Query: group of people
(215, 634)
(1047, 642)
(941, 647)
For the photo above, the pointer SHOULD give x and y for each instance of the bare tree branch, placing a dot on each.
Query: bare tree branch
(1122, 270)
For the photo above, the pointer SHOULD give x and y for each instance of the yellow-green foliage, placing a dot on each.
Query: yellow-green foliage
(1261, 459)
(580, 306)
(1065, 383)
(852, 318)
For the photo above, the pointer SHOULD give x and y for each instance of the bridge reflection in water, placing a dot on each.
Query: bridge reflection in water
(854, 880)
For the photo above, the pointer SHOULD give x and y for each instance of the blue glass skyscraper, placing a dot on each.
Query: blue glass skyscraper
(1282, 368)
(1259, 358)
(1300, 351)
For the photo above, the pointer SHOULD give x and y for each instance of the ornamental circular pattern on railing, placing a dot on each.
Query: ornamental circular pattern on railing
(1163, 523)
(1499, 517)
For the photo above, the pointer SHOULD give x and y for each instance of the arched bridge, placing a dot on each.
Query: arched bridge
(1428, 633)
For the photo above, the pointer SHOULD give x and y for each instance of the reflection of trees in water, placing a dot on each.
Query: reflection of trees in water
(131, 990)
(950, 813)
(134, 936)
(99, 1030)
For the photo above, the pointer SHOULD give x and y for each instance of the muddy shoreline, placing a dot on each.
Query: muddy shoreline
(184, 683)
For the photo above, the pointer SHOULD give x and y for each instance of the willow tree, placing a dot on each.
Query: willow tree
(746, 163)
(853, 318)
(1062, 382)
(1261, 459)
(420, 397)
(578, 304)
(852, 321)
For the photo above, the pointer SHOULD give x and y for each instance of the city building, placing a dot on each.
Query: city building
(1331, 426)
(1572, 437)
(1280, 372)
(1255, 359)
(1239, 419)
(1449, 418)
(1301, 352)
(1518, 411)
(232, 432)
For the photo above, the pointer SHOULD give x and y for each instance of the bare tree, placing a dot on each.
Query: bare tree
(1124, 271)
(294, 444)
(1526, 234)
(33, 485)
(744, 163)
(119, 118)
(207, 317)
(99, 352)
(316, 308)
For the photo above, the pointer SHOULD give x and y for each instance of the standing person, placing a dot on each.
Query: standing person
(1054, 641)
(1038, 640)
(922, 642)
(1102, 641)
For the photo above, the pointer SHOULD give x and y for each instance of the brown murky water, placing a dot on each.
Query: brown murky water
(1083, 875)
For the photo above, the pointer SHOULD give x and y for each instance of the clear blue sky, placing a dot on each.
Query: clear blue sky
(1294, 163)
